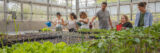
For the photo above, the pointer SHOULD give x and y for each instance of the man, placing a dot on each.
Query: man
(104, 17)
(143, 18)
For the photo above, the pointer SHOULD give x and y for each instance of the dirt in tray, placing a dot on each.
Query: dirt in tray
(68, 40)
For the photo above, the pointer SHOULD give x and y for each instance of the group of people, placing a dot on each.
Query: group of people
(73, 24)
(143, 19)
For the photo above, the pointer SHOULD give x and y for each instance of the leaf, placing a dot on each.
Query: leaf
(100, 44)
(61, 44)
(137, 40)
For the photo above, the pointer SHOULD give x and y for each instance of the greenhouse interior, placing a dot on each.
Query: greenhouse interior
(79, 26)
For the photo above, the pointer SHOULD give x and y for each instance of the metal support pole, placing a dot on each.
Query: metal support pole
(86, 5)
(95, 5)
(156, 11)
(155, 6)
(118, 11)
(147, 1)
(31, 11)
(5, 15)
(71, 5)
(22, 12)
(66, 9)
(47, 10)
(131, 10)
(77, 7)
(5, 10)
(51, 10)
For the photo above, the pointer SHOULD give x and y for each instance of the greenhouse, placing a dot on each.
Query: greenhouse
(79, 26)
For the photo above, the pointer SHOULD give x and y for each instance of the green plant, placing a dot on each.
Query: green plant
(46, 30)
(136, 40)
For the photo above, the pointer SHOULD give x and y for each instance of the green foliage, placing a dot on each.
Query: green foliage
(46, 47)
(46, 30)
(84, 30)
(136, 40)
(92, 30)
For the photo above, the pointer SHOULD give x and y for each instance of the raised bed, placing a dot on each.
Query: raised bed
(8, 40)
(89, 32)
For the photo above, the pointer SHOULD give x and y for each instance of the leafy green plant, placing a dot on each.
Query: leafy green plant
(136, 40)
(46, 47)
(46, 30)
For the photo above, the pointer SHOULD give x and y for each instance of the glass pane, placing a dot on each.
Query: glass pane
(12, 6)
(1, 6)
(15, 10)
(39, 18)
(157, 17)
(1, 16)
(1, 11)
(125, 0)
(27, 8)
(137, 0)
(41, 1)
(58, 2)
(113, 10)
(39, 9)
(158, 7)
(27, 17)
(92, 12)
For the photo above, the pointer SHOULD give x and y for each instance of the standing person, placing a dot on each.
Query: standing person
(143, 18)
(84, 20)
(72, 25)
(104, 17)
(59, 22)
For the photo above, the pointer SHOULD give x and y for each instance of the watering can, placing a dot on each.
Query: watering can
(48, 23)
(79, 24)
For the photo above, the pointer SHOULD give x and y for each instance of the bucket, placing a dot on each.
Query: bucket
(119, 27)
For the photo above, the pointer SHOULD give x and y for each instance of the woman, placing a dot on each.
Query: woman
(84, 20)
(72, 26)
(124, 23)
(143, 18)
(59, 22)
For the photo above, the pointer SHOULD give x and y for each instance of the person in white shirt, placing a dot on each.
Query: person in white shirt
(59, 22)
(84, 21)
(72, 25)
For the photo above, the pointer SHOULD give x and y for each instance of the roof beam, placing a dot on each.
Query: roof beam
(38, 3)
(115, 4)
